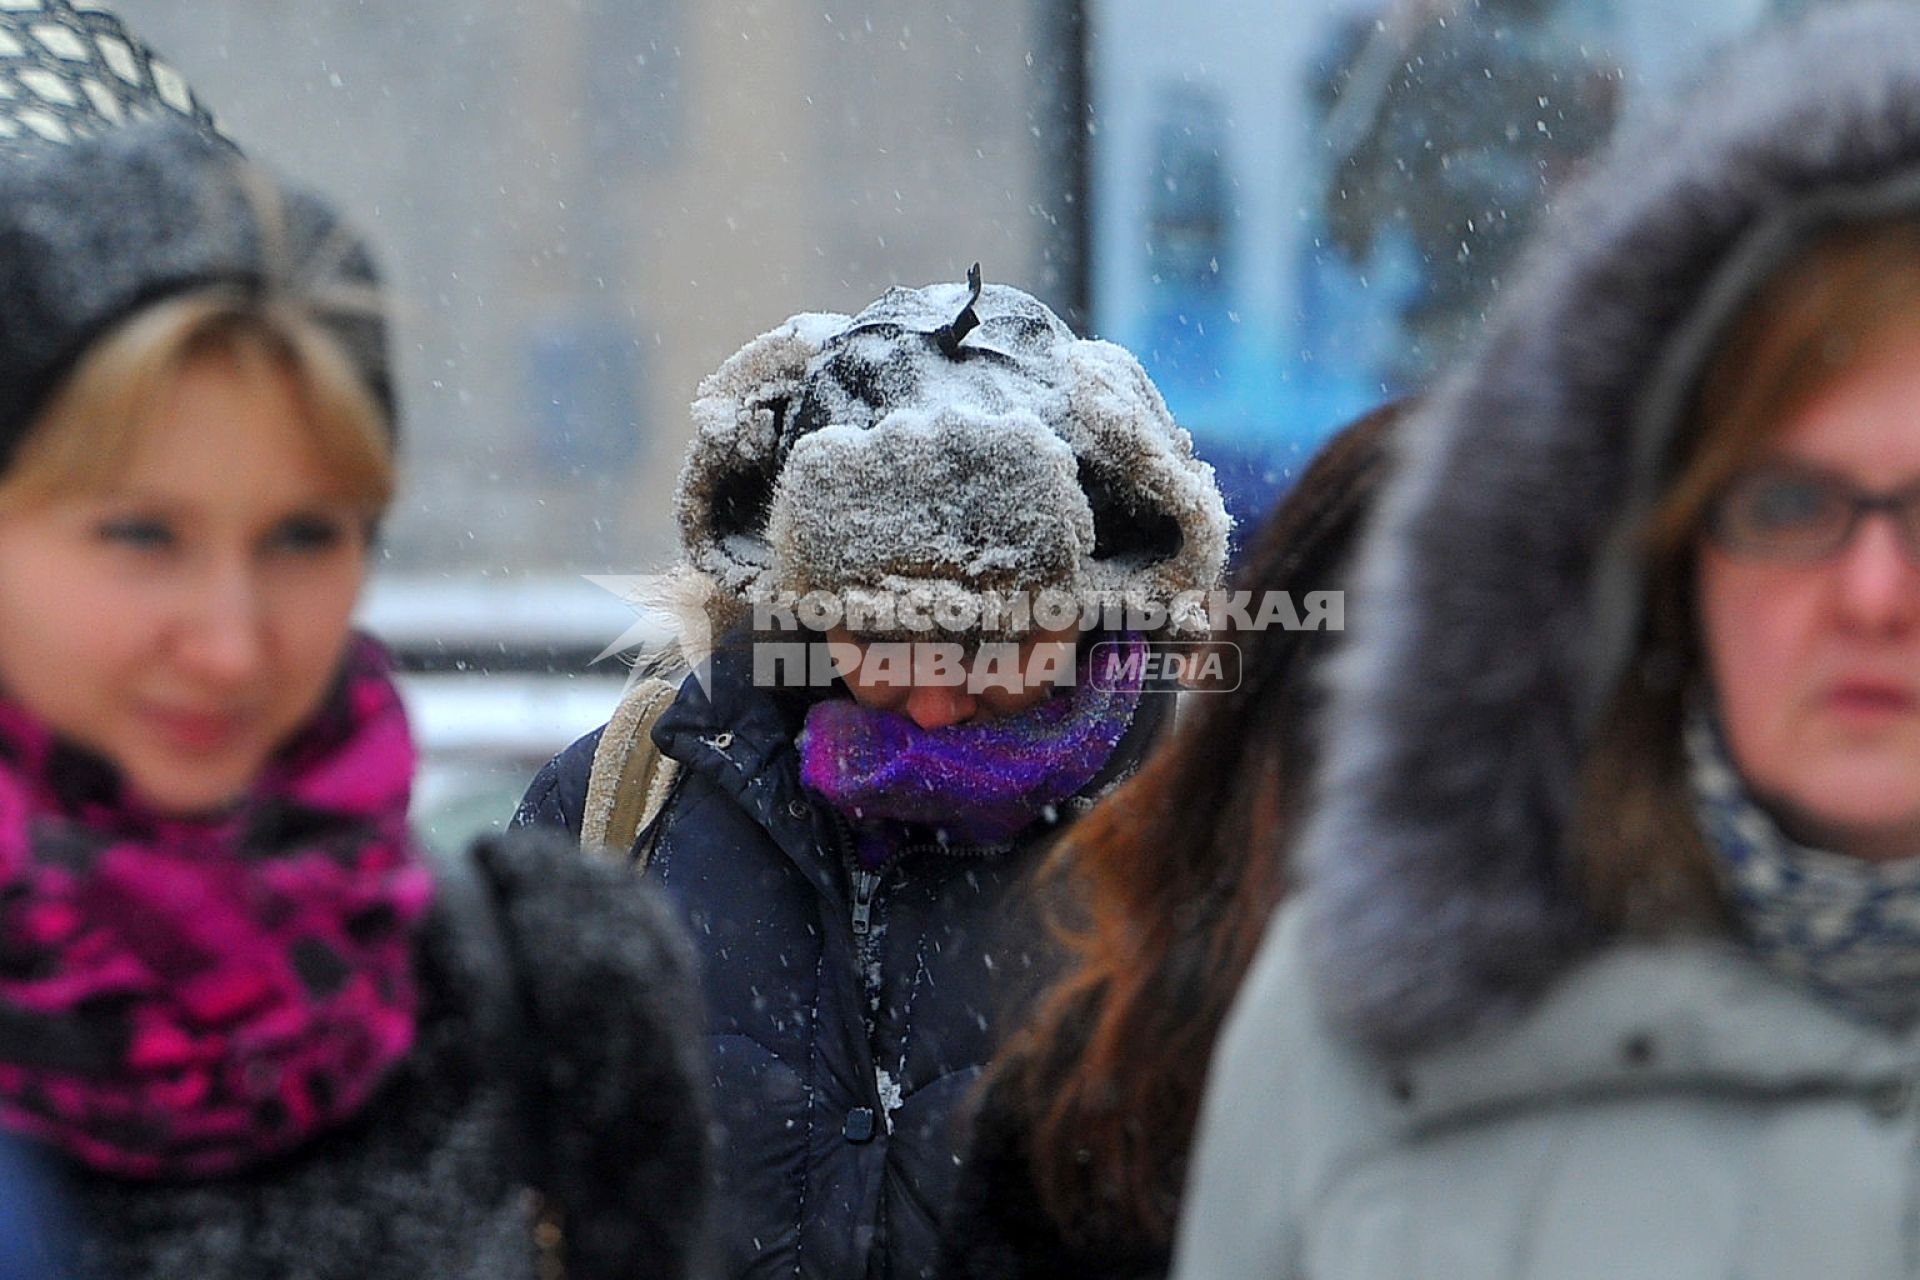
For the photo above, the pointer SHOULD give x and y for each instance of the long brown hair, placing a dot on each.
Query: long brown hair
(1646, 865)
(1171, 882)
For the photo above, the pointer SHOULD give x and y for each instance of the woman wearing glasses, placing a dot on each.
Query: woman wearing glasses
(1608, 959)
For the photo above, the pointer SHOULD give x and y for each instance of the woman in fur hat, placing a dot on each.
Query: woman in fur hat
(261, 1035)
(1079, 1146)
(847, 845)
(1608, 961)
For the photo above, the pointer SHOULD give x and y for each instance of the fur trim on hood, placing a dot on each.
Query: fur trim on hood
(1497, 602)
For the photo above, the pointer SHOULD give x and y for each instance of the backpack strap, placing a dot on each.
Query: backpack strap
(631, 778)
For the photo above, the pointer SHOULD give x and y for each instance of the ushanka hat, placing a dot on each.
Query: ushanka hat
(956, 445)
(117, 191)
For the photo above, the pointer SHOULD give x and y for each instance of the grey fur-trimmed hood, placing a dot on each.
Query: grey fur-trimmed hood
(1495, 607)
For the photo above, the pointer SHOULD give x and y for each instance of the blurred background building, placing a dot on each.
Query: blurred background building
(1290, 211)
(588, 204)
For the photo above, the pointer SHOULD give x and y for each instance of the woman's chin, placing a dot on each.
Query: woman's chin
(179, 793)
(1873, 825)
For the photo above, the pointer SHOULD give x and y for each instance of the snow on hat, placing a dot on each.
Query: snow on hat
(117, 191)
(954, 442)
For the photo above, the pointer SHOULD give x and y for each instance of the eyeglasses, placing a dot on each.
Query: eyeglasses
(1791, 511)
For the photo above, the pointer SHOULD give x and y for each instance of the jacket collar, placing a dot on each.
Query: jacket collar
(1682, 1013)
(1688, 1013)
(725, 725)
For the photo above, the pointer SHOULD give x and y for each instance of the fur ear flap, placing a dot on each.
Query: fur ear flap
(1160, 524)
(726, 486)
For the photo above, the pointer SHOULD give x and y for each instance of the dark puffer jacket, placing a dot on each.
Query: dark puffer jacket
(573, 996)
(850, 1014)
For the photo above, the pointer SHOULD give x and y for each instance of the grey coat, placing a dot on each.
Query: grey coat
(1668, 1109)
(1445, 1063)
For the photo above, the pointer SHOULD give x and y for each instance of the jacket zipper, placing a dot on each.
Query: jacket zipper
(865, 885)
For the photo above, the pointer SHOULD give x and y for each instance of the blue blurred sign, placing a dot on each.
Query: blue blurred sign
(1302, 210)
(583, 391)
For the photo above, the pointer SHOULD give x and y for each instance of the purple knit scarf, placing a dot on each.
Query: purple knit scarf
(979, 783)
(185, 997)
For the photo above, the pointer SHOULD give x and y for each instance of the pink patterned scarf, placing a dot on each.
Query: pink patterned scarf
(182, 998)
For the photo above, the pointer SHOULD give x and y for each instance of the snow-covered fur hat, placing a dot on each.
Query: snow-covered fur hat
(959, 443)
(1500, 596)
(117, 191)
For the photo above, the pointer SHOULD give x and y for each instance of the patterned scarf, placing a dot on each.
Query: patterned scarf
(1848, 928)
(972, 784)
(185, 997)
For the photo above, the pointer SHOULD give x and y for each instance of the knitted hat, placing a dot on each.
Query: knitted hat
(70, 70)
(952, 443)
(116, 192)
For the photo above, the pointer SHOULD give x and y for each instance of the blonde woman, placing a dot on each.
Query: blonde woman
(258, 1031)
